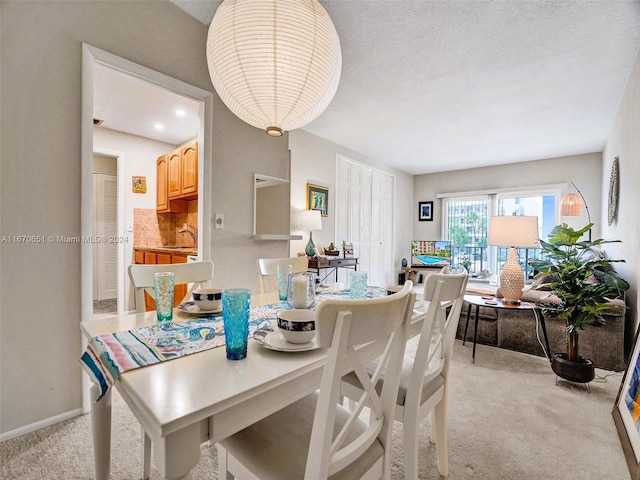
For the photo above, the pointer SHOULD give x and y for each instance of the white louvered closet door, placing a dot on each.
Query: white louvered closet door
(381, 269)
(105, 254)
(364, 217)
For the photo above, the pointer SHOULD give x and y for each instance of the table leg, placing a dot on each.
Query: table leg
(178, 453)
(101, 428)
(466, 325)
(475, 334)
(544, 332)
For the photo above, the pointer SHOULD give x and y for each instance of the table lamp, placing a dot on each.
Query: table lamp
(513, 231)
(309, 220)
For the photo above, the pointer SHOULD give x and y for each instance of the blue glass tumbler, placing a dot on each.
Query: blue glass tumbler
(163, 283)
(235, 313)
(358, 284)
(283, 272)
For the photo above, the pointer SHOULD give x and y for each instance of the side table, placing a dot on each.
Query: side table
(497, 304)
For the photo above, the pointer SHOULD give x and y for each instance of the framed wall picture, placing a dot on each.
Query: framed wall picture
(425, 211)
(318, 198)
(626, 412)
(139, 184)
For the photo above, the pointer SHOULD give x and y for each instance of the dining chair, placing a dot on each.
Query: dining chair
(316, 437)
(268, 269)
(424, 378)
(141, 275)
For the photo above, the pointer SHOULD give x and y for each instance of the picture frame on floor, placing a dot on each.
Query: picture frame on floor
(626, 412)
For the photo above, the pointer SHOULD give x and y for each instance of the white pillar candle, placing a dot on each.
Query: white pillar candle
(299, 292)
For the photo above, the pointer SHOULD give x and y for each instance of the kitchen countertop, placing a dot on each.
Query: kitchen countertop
(181, 250)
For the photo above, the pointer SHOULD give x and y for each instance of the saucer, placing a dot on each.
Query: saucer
(192, 308)
(273, 340)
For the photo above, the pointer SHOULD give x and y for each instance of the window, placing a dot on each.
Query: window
(466, 220)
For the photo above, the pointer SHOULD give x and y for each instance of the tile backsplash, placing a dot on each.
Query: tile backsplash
(153, 229)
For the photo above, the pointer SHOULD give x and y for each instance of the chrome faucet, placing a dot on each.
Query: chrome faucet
(185, 229)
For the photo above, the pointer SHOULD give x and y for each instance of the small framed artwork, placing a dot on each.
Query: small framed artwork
(626, 413)
(318, 198)
(139, 184)
(425, 211)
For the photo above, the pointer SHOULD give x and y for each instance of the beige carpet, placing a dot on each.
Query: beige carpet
(507, 421)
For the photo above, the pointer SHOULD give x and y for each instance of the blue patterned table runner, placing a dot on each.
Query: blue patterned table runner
(108, 356)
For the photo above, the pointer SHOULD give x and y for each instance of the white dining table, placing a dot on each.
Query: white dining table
(200, 397)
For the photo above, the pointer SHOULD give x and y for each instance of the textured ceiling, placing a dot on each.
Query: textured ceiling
(431, 86)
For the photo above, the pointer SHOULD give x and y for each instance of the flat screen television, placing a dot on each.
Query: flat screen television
(430, 253)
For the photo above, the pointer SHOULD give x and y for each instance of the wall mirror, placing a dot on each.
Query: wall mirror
(271, 208)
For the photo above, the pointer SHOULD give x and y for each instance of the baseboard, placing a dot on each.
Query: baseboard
(41, 424)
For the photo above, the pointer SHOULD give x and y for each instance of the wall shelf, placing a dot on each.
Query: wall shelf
(277, 237)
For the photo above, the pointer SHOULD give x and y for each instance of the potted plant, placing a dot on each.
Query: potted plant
(583, 282)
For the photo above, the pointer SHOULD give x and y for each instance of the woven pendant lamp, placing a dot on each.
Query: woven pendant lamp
(571, 205)
(275, 63)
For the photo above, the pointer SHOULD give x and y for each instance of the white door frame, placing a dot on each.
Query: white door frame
(90, 56)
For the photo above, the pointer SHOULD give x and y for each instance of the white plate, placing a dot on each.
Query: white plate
(192, 308)
(273, 340)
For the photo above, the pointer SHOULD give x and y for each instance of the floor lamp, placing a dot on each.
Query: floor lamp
(571, 206)
(513, 231)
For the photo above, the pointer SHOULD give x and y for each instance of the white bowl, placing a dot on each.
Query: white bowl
(297, 326)
(208, 299)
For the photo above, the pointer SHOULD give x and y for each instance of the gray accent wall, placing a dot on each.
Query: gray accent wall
(41, 78)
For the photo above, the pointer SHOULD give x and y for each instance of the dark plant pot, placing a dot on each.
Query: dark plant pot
(581, 371)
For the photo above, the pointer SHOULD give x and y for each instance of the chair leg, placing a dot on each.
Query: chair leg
(439, 425)
(223, 465)
(410, 432)
(146, 456)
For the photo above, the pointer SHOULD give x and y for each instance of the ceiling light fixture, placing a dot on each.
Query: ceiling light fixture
(158, 126)
(275, 63)
(180, 112)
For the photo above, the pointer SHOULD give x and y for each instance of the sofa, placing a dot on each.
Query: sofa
(518, 330)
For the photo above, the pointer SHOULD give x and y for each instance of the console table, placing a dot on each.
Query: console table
(419, 270)
(332, 264)
(490, 301)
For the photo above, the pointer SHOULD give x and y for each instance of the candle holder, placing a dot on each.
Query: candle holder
(301, 291)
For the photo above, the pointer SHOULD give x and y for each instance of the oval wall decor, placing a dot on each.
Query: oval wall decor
(613, 191)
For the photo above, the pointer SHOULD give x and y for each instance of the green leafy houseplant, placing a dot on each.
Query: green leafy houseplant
(580, 278)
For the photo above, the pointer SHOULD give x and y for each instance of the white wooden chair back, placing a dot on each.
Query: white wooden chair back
(268, 269)
(198, 273)
(445, 294)
(341, 325)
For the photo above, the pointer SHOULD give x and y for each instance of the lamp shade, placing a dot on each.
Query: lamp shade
(308, 220)
(571, 205)
(275, 64)
(514, 231)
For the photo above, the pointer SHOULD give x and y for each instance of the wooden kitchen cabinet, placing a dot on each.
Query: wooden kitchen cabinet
(161, 258)
(177, 179)
(189, 156)
(162, 193)
(174, 164)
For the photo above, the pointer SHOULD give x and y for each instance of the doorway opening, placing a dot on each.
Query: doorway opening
(126, 184)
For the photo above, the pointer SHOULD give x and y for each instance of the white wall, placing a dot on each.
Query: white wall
(313, 160)
(583, 170)
(139, 155)
(624, 142)
(40, 107)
